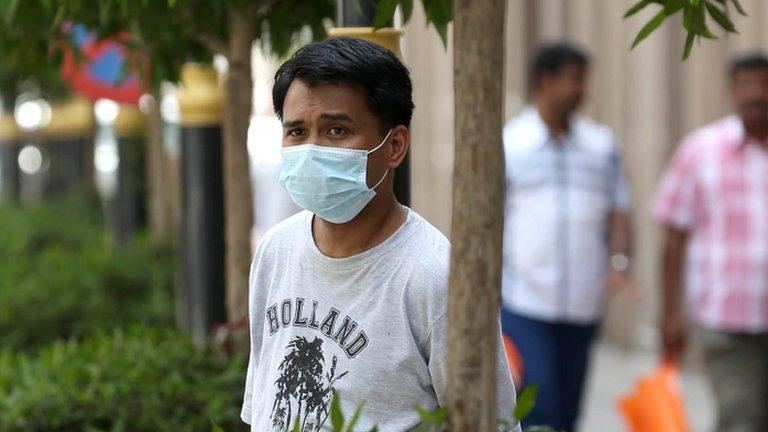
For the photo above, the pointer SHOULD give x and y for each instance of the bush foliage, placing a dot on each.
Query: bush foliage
(140, 379)
(62, 276)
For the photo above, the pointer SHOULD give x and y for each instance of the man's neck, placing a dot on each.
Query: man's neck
(377, 222)
(555, 119)
(757, 130)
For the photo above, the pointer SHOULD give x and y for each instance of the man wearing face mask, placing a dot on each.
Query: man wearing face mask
(566, 233)
(713, 202)
(348, 296)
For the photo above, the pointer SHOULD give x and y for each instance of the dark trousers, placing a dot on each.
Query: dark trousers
(555, 357)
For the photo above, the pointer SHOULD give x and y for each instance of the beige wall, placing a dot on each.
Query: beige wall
(648, 96)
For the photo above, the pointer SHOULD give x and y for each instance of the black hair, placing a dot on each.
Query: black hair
(551, 59)
(752, 61)
(383, 78)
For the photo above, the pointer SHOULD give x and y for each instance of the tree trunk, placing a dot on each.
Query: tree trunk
(238, 207)
(160, 225)
(478, 203)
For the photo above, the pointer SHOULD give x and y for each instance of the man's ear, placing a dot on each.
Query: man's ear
(399, 145)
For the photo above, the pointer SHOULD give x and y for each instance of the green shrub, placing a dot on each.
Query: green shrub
(142, 379)
(70, 223)
(61, 276)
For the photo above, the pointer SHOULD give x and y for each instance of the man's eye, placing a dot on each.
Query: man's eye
(337, 131)
(295, 132)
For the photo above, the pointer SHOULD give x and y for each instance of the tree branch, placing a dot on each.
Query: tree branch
(210, 42)
(264, 8)
(214, 44)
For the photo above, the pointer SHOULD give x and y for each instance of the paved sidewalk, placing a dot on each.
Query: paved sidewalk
(613, 373)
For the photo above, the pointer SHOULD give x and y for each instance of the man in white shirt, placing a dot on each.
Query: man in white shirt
(566, 230)
(348, 296)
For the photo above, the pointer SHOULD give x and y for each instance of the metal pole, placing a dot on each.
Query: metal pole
(202, 290)
(358, 14)
(129, 203)
(9, 154)
(67, 147)
(355, 13)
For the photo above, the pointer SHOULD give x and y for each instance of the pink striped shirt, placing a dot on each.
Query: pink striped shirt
(716, 189)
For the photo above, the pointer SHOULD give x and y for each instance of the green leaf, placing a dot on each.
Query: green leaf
(10, 12)
(442, 31)
(58, 19)
(355, 418)
(688, 19)
(337, 417)
(432, 418)
(720, 16)
(700, 24)
(739, 7)
(649, 27)
(671, 7)
(526, 401)
(215, 427)
(407, 7)
(637, 8)
(384, 13)
(105, 13)
(688, 44)
(438, 11)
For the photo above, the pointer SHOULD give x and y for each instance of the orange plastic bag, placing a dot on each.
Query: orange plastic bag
(514, 360)
(656, 403)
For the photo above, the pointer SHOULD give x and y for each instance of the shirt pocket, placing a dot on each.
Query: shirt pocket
(591, 174)
(530, 173)
(589, 191)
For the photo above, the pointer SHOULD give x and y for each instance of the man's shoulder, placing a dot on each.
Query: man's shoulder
(595, 135)
(523, 132)
(430, 243)
(429, 254)
(718, 133)
(428, 258)
(429, 231)
(287, 230)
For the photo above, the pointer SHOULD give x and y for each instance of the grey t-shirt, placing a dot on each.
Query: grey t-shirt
(371, 326)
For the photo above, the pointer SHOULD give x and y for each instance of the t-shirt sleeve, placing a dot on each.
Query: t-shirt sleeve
(675, 202)
(245, 412)
(505, 389)
(256, 324)
(436, 361)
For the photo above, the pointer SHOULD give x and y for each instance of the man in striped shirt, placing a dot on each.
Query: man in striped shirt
(713, 202)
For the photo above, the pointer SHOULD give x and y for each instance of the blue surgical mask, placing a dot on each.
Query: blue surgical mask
(329, 181)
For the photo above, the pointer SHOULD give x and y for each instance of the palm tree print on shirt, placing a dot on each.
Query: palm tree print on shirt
(304, 389)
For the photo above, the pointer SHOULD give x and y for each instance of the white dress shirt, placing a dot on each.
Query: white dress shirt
(560, 192)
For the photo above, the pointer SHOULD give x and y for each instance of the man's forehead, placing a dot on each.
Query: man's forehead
(318, 89)
(751, 73)
(328, 100)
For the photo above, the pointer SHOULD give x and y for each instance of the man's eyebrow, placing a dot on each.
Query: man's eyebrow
(292, 123)
(336, 117)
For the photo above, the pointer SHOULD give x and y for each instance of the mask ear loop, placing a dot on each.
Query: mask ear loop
(382, 142)
(387, 171)
(381, 181)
